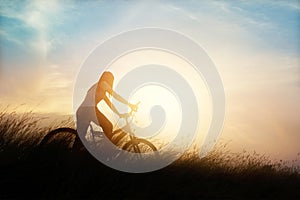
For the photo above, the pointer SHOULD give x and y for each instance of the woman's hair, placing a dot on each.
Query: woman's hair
(108, 77)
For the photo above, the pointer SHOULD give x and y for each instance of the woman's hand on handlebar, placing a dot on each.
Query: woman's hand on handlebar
(134, 107)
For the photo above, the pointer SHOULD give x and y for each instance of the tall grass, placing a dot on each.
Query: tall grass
(243, 164)
(77, 174)
(20, 133)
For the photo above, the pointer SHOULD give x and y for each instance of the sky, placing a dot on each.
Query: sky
(255, 46)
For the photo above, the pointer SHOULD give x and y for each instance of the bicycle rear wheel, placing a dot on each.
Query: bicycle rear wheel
(60, 138)
(139, 145)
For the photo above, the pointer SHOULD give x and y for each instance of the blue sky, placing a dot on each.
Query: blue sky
(273, 25)
(254, 44)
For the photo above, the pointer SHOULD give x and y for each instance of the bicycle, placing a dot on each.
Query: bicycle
(131, 143)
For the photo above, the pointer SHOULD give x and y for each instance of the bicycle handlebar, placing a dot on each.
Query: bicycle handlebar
(131, 113)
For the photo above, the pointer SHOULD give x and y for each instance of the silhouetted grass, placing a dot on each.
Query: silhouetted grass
(28, 171)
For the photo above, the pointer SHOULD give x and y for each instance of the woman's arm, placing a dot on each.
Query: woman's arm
(107, 87)
(109, 103)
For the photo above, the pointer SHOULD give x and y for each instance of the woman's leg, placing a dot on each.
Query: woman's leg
(83, 119)
(105, 124)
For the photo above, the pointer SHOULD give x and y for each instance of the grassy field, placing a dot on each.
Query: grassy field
(26, 171)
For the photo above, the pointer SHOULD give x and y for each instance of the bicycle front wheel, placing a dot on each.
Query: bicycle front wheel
(139, 146)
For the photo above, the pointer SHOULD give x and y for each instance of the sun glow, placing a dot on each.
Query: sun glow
(158, 95)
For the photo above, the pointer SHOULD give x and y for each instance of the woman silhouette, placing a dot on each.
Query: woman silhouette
(88, 111)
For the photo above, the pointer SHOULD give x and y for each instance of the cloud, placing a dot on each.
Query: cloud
(28, 32)
(4, 34)
(256, 52)
(46, 90)
(41, 17)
